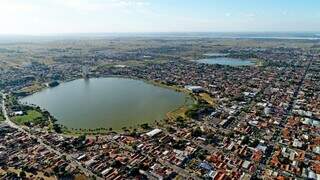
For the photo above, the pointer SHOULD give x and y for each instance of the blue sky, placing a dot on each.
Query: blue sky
(85, 16)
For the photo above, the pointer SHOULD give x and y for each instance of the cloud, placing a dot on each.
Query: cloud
(10, 6)
(49, 16)
(94, 5)
(16, 7)
(14, 12)
(130, 3)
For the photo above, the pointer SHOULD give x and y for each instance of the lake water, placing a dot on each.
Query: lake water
(107, 102)
(226, 61)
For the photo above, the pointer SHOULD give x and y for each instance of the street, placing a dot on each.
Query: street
(50, 148)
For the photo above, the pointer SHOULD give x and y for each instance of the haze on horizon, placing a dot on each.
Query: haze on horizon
(34, 17)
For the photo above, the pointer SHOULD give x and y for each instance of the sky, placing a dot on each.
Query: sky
(32, 17)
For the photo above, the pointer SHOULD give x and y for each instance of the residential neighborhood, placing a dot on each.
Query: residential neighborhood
(245, 122)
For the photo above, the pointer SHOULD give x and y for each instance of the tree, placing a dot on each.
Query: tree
(145, 126)
(180, 144)
(57, 128)
(134, 171)
(230, 135)
(245, 140)
(116, 164)
(179, 119)
(212, 139)
(197, 132)
(22, 174)
(171, 129)
(82, 138)
(254, 143)
(192, 114)
(201, 154)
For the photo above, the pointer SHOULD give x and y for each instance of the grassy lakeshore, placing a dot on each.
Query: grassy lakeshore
(36, 87)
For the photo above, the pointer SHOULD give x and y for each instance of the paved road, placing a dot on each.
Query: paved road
(74, 162)
(50, 148)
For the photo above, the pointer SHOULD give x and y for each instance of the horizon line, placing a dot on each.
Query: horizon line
(149, 32)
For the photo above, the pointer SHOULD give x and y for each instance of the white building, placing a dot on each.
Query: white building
(195, 89)
(18, 113)
(154, 132)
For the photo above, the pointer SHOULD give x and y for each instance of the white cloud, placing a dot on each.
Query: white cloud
(54, 16)
(94, 6)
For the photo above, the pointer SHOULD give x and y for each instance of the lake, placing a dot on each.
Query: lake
(107, 102)
(226, 61)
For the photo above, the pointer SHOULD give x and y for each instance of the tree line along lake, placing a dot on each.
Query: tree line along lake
(107, 102)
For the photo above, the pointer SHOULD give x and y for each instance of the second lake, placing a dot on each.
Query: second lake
(226, 61)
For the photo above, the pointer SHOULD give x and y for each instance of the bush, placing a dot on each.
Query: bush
(197, 132)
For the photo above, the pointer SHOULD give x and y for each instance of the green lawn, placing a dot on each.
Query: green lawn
(31, 116)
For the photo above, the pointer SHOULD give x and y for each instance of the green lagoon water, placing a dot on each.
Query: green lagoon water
(107, 102)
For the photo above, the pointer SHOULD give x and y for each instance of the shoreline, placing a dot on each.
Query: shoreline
(104, 131)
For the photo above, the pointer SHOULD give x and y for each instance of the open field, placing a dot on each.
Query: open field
(128, 49)
(32, 88)
(207, 98)
(32, 116)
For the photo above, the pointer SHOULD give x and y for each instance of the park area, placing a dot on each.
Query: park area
(31, 116)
